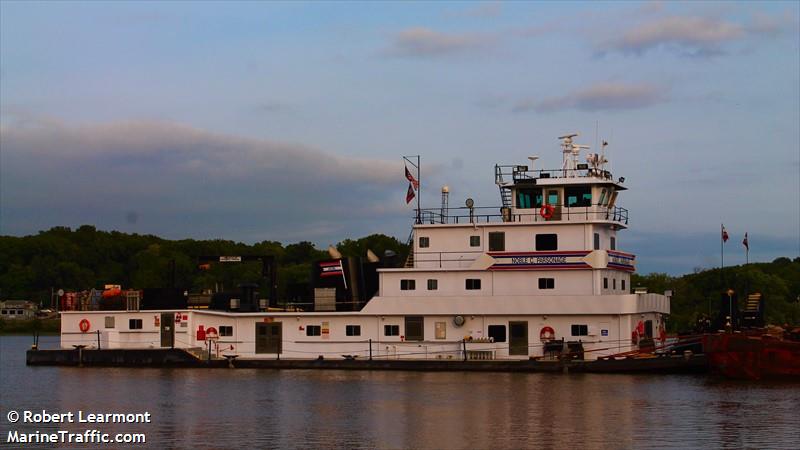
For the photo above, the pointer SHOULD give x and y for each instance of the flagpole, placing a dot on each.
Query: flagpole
(721, 254)
(419, 189)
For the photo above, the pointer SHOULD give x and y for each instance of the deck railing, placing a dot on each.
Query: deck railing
(561, 213)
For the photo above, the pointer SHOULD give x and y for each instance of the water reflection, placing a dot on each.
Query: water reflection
(224, 408)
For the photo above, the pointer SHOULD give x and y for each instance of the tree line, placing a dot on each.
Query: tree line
(85, 258)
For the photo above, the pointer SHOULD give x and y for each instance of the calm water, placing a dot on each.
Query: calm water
(309, 409)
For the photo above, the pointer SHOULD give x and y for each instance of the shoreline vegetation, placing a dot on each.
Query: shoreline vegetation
(28, 326)
(32, 267)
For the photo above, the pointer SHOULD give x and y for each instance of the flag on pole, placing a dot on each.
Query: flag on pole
(745, 243)
(410, 194)
(411, 179)
(724, 234)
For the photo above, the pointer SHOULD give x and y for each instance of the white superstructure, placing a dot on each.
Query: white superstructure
(542, 274)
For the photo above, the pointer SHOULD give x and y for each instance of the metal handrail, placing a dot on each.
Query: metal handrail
(482, 214)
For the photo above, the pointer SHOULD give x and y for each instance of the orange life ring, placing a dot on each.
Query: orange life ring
(547, 211)
(547, 334)
(84, 325)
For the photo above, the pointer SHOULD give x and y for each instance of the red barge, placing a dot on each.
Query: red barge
(754, 355)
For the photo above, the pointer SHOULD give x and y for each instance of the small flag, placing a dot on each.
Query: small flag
(745, 243)
(724, 234)
(410, 194)
(331, 268)
(411, 179)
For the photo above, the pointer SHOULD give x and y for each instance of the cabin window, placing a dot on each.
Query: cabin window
(433, 285)
(391, 330)
(578, 196)
(408, 285)
(546, 242)
(474, 241)
(424, 242)
(612, 243)
(352, 330)
(529, 198)
(547, 283)
(552, 198)
(497, 241)
(605, 283)
(441, 330)
(415, 328)
(580, 330)
(614, 283)
(473, 284)
(648, 328)
(497, 333)
(313, 330)
(226, 330)
(134, 324)
(623, 285)
(109, 321)
(597, 241)
(603, 193)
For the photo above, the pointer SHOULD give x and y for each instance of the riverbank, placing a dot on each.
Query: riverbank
(29, 326)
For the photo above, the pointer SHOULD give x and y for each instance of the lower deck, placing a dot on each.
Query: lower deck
(357, 335)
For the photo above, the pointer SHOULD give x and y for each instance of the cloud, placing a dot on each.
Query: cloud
(692, 35)
(426, 43)
(602, 96)
(180, 181)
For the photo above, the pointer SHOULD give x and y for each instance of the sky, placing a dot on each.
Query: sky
(288, 121)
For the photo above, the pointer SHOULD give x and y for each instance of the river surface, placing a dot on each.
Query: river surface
(264, 408)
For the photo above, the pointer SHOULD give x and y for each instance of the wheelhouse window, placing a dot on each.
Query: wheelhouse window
(134, 324)
(529, 198)
(546, 242)
(474, 241)
(424, 242)
(408, 285)
(473, 284)
(612, 243)
(497, 241)
(552, 198)
(226, 330)
(497, 333)
(578, 196)
(391, 330)
(352, 330)
(597, 241)
(580, 330)
(547, 283)
(603, 196)
(433, 285)
(415, 328)
(313, 330)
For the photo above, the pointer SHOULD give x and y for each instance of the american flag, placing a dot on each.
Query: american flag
(331, 268)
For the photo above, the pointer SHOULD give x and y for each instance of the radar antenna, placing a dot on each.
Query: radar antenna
(571, 153)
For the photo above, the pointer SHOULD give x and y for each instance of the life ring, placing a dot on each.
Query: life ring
(662, 334)
(547, 334)
(547, 211)
(635, 337)
(84, 325)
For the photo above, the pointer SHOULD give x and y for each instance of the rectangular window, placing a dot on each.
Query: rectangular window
(612, 243)
(415, 328)
(623, 285)
(547, 283)
(313, 330)
(552, 198)
(529, 198)
(474, 241)
(497, 241)
(648, 328)
(352, 330)
(614, 283)
(473, 284)
(109, 321)
(597, 241)
(424, 242)
(546, 242)
(497, 333)
(433, 285)
(441, 330)
(391, 330)
(225, 330)
(605, 283)
(408, 285)
(578, 196)
(135, 324)
(580, 330)
(602, 196)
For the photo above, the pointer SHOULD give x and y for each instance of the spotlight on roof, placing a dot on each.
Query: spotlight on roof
(621, 179)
